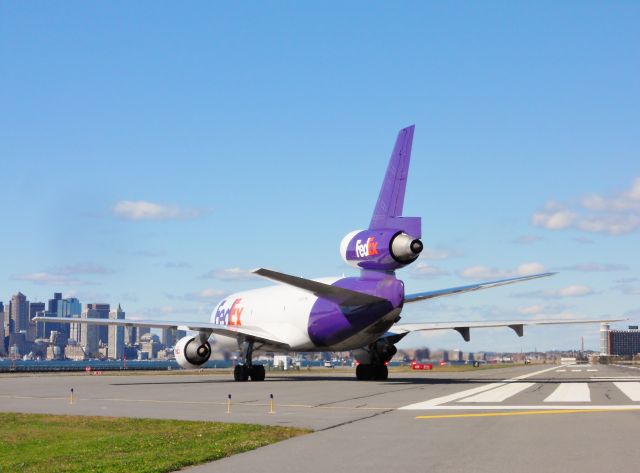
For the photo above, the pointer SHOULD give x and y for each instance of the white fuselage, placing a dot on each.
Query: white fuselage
(281, 310)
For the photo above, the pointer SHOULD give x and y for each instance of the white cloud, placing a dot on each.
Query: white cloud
(439, 253)
(574, 290)
(596, 267)
(628, 289)
(177, 265)
(49, 279)
(485, 272)
(84, 268)
(208, 294)
(615, 215)
(545, 309)
(143, 210)
(229, 274)
(426, 271)
(527, 239)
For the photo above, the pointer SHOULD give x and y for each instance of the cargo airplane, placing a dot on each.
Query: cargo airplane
(332, 314)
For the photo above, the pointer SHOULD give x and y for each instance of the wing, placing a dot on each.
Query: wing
(255, 333)
(464, 328)
(420, 296)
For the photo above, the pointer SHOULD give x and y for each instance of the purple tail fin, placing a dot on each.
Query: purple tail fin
(388, 211)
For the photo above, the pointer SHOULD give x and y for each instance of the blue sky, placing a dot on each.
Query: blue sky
(153, 152)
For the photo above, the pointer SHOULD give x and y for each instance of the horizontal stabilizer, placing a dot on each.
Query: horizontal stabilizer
(421, 296)
(339, 295)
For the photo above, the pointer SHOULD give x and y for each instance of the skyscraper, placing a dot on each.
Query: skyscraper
(130, 335)
(2, 347)
(34, 308)
(101, 311)
(116, 335)
(169, 337)
(18, 313)
(89, 333)
(142, 331)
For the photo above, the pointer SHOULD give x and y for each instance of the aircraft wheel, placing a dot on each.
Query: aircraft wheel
(363, 372)
(381, 372)
(257, 373)
(241, 373)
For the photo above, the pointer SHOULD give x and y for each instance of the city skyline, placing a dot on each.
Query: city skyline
(162, 159)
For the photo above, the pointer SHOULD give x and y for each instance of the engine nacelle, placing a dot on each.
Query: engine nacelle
(191, 354)
(384, 249)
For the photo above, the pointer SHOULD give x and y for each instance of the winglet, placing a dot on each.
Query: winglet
(388, 209)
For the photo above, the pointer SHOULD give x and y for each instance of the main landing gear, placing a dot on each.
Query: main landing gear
(365, 372)
(373, 361)
(245, 369)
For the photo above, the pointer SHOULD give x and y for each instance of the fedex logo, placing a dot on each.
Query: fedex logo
(368, 248)
(229, 315)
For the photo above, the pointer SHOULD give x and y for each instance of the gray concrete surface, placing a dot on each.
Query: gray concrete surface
(361, 426)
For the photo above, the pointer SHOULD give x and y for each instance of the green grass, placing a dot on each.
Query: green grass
(45, 443)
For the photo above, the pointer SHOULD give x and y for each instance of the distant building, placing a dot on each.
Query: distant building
(130, 336)
(141, 332)
(18, 313)
(34, 309)
(624, 342)
(5, 322)
(2, 331)
(169, 337)
(101, 311)
(89, 334)
(18, 344)
(604, 339)
(116, 335)
(150, 346)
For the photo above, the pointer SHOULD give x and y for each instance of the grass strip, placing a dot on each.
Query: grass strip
(47, 443)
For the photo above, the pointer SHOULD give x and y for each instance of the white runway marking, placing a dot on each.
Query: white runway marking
(498, 394)
(592, 370)
(431, 403)
(452, 397)
(631, 390)
(570, 392)
(576, 371)
(500, 407)
(561, 371)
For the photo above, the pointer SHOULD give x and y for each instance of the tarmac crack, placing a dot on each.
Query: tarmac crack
(355, 398)
(353, 421)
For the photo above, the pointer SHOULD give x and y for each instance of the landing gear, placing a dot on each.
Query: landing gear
(366, 372)
(373, 360)
(246, 369)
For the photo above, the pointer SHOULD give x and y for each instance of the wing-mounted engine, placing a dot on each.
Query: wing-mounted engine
(383, 249)
(191, 353)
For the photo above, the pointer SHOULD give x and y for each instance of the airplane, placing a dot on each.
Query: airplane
(358, 314)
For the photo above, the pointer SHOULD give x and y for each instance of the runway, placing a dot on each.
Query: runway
(523, 418)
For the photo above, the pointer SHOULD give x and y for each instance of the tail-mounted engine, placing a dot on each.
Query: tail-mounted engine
(191, 353)
(380, 249)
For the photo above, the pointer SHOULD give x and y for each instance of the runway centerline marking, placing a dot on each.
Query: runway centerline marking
(523, 413)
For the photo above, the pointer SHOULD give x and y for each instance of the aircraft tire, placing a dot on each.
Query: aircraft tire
(381, 372)
(364, 372)
(257, 373)
(241, 373)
